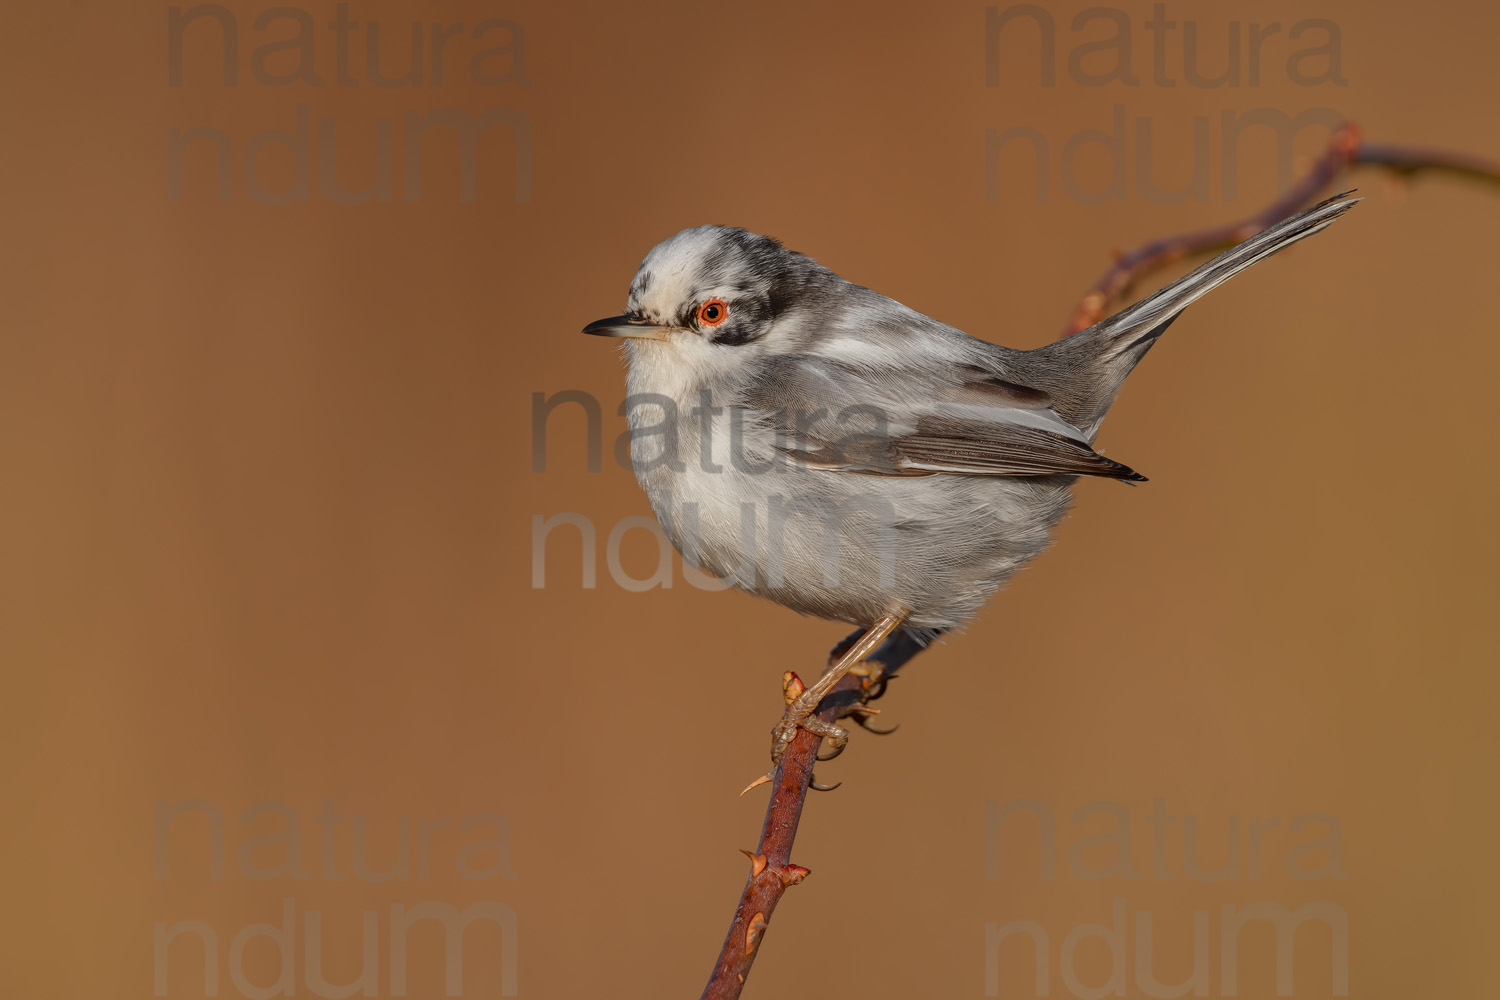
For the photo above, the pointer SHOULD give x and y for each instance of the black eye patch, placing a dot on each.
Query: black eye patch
(736, 334)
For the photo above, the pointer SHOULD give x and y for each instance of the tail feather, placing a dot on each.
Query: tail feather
(1112, 347)
(1140, 324)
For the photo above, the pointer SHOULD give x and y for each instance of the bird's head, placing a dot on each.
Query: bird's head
(711, 288)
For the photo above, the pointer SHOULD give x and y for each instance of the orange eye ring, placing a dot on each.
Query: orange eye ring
(713, 312)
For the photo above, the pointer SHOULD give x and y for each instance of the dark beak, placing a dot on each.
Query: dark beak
(627, 326)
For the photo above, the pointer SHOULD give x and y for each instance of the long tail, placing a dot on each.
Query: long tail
(1112, 347)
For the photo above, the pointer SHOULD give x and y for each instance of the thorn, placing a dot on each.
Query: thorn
(753, 935)
(791, 686)
(792, 874)
(758, 781)
(757, 862)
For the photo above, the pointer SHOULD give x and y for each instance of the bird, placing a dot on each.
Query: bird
(814, 442)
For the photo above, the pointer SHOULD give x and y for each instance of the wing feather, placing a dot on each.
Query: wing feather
(977, 424)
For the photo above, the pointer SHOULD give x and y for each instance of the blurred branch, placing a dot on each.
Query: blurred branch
(771, 868)
(1346, 149)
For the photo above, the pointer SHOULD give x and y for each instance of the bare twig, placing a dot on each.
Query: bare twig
(772, 871)
(1346, 149)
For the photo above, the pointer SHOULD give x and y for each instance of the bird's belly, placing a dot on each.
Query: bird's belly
(853, 547)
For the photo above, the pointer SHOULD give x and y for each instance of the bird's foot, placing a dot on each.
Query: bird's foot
(800, 705)
(799, 715)
(873, 678)
(802, 701)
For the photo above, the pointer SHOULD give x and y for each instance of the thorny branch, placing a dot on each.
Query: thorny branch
(771, 868)
(772, 871)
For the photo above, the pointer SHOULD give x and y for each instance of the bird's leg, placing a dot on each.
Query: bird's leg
(879, 668)
(799, 713)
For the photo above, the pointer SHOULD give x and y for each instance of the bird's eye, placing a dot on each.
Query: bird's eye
(713, 312)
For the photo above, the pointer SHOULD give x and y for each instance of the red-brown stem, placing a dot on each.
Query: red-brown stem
(791, 780)
(763, 891)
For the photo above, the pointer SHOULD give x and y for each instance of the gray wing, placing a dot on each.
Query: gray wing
(965, 421)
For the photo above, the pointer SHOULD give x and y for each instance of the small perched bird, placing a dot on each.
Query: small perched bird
(819, 444)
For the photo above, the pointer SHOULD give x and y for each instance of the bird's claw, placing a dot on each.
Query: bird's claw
(862, 720)
(837, 736)
(873, 680)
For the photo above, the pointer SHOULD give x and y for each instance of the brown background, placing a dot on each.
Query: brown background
(268, 505)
